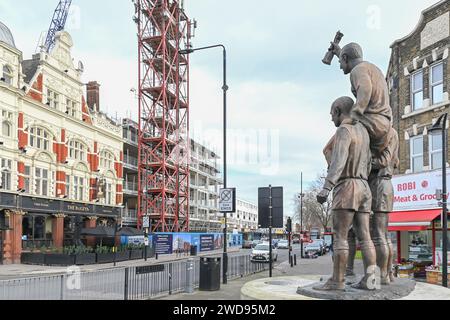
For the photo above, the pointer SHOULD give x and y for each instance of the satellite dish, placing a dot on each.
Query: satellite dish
(80, 66)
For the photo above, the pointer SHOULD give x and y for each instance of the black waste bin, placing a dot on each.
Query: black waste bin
(193, 250)
(209, 274)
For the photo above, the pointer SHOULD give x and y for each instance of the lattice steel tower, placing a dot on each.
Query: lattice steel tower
(163, 191)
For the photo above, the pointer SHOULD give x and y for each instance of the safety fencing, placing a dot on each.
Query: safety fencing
(123, 283)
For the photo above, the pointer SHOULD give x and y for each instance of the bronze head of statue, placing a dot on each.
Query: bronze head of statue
(350, 56)
(340, 110)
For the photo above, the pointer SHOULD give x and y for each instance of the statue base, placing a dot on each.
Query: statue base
(398, 289)
(300, 288)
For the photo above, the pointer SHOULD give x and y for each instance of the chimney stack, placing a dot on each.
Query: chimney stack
(93, 95)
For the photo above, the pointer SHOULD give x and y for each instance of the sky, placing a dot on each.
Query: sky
(280, 92)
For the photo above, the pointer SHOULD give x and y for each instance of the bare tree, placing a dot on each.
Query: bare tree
(314, 213)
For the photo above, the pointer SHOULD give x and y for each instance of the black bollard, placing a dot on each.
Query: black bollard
(295, 259)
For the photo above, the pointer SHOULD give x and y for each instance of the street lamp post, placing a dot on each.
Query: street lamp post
(440, 125)
(224, 89)
(301, 215)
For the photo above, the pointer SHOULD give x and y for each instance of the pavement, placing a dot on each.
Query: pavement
(232, 290)
(17, 271)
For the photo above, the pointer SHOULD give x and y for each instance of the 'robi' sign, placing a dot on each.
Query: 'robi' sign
(417, 191)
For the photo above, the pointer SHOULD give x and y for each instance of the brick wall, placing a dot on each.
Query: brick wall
(407, 57)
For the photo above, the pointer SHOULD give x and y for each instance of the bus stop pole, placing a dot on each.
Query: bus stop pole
(270, 231)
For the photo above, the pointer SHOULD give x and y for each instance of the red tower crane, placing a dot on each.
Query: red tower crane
(163, 180)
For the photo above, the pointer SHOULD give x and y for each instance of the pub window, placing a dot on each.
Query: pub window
(39, 138)
(106, 160)
(42, 181)
(52, 99)
(6, 172)
(77, 150)
(67, 189)
(436, 150)
(417, 90)
(79, 188)
(7, 75)
(27, 179)
(108, 194)
(416, 145)
(437, 83)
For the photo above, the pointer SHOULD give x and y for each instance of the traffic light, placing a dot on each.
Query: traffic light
(289, 225)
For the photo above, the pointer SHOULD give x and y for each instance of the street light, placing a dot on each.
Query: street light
(440, 125)
(224, 89)
(301, 215)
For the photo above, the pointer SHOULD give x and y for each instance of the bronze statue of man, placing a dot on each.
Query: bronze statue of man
(369, 87)
(348, 173)
(380, 182)
(382, 204)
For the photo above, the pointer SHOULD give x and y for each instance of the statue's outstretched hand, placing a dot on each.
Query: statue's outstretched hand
(323, 196)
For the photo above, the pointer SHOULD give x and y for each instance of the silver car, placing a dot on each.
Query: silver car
(283, 244)
(260, 253)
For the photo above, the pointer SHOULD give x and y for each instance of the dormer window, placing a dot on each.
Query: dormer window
(7, 75)
(72, 108)
(52, 99)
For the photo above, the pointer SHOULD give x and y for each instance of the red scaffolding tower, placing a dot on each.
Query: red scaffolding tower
(163, 191)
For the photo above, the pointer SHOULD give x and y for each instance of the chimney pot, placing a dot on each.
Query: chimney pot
(93, 95)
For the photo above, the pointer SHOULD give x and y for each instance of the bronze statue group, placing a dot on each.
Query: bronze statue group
(361, 157)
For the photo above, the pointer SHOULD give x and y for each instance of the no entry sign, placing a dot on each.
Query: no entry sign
(227, 200)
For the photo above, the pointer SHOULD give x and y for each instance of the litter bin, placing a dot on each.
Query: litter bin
(209, 274)
(193, 250)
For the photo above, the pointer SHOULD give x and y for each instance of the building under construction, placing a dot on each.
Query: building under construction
(163, 179)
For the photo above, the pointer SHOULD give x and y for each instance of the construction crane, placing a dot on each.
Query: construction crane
(58, 22)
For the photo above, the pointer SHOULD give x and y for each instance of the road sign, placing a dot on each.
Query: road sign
(146, 222)
(277, 207)
(227, 200)
(146, 242)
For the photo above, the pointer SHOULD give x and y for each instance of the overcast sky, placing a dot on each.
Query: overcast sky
(280, 92)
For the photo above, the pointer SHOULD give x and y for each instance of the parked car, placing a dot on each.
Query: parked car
(322, 244)
(314, 247)
(283, 244)
(295, 240)
(260, 253)
(255, 243)
(247, 244)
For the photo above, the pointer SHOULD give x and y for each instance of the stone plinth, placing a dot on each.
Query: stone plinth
(285, 288)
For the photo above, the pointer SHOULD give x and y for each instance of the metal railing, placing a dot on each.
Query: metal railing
(130, 161)
(123, 283)
(130, 186)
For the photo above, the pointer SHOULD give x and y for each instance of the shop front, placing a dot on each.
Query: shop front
(34, 223)
(415, 224)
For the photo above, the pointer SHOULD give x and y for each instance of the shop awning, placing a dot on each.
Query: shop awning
(412, 220)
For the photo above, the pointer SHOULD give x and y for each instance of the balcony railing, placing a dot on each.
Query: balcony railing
(130, 186)
(129, 161)
(130, 214)
(130, 137)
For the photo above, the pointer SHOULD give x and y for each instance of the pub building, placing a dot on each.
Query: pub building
(60, 156)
